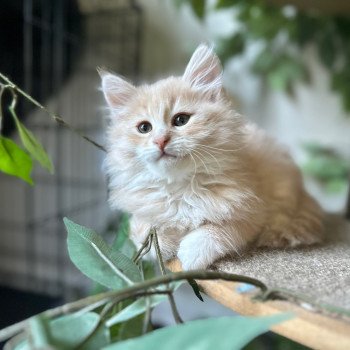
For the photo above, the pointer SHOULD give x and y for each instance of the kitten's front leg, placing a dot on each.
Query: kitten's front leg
(201, 247)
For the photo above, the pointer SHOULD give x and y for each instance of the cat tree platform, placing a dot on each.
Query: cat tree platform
(314, 285)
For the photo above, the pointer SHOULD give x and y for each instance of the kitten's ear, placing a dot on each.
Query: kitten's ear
(116, 90)
(204, 70)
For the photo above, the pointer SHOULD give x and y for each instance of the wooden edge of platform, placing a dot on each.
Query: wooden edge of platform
(308, 327)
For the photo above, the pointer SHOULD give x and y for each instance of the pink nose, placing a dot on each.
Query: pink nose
(161, 142)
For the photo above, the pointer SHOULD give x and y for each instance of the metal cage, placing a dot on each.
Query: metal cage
(63, 42)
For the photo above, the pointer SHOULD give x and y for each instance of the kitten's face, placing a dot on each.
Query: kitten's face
(169, 127)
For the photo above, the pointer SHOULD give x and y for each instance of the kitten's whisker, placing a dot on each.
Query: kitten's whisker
(222, 149)
(193, 177)
(198, 154)
(217, 162)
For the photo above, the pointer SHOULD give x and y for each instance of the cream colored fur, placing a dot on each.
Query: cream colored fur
(227, 183)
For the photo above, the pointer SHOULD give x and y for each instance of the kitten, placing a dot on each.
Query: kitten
(180, 159)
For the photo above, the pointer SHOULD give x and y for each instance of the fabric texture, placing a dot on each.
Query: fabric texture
(321, 273)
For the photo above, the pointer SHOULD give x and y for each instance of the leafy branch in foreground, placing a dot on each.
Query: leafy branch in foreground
(14, 160)
(108, 319)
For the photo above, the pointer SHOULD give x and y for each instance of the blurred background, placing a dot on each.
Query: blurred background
(287, 68)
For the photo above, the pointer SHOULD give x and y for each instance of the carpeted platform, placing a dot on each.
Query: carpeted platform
(321, 273)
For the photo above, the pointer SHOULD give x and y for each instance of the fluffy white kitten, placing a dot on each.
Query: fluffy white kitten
(180, 159)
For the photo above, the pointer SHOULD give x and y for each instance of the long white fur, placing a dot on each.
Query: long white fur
(228, 185)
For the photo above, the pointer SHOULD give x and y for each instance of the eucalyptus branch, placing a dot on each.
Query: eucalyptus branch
(108, 307)
(13, 87)
(172, 303)
(132, 291)
(147, 243)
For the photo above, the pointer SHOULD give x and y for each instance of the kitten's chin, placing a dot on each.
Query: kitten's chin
(170, 167)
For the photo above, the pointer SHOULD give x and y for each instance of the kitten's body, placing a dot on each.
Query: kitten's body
(221, 183)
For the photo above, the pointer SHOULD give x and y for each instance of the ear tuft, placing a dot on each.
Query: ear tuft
(204, 70)
(116, 90)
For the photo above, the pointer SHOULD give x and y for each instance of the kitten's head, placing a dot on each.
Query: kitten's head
(175, 127)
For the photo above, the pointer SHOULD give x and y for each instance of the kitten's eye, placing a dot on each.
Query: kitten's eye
(181, 119)
(144, 127)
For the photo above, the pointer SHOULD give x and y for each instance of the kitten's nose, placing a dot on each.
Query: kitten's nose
(162, 141)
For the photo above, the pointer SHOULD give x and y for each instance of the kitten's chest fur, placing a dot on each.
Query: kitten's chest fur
(184, 204)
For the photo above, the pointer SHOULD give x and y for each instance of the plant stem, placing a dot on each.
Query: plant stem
(172, 303)
(132, 291)
(147, 317)
(147, 242)
(53, 116)
(2, 89)
(108, 307)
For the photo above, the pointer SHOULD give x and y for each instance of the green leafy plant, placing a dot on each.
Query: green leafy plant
(15, 160)
(327, 167)
(119, 317)
(283, 32)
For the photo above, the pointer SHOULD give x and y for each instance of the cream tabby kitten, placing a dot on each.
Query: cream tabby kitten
(180, 159)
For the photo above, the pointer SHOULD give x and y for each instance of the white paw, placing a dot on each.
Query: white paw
(198, 250)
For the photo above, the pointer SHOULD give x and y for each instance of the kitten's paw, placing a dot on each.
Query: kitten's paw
(284, 239)
(198, 250)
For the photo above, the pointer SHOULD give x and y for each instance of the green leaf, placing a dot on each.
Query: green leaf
(286, 71)
(33, 146)
(93, 257)
(221, 4)
(327, 47)
(265, 61)
(149, 270)
(229, 47)
(139, 307)
(307, 28)
(179, 3)
(135, 309)
(198, 7)
(40, 332)
(128, 329)
(122, 241)
(14, 161)
(219, 334)
(67, 332)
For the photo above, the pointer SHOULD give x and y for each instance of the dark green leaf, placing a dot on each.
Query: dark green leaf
(93, 257)
(307, 27)
(221, 4)
(195, 288)
(265, 61)
(198, 7)
(14, 161)
(327, 48)
(149, 270)
(230, 47)
(340, 83)
(217, 333)
(33, 146)
(129, 329)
